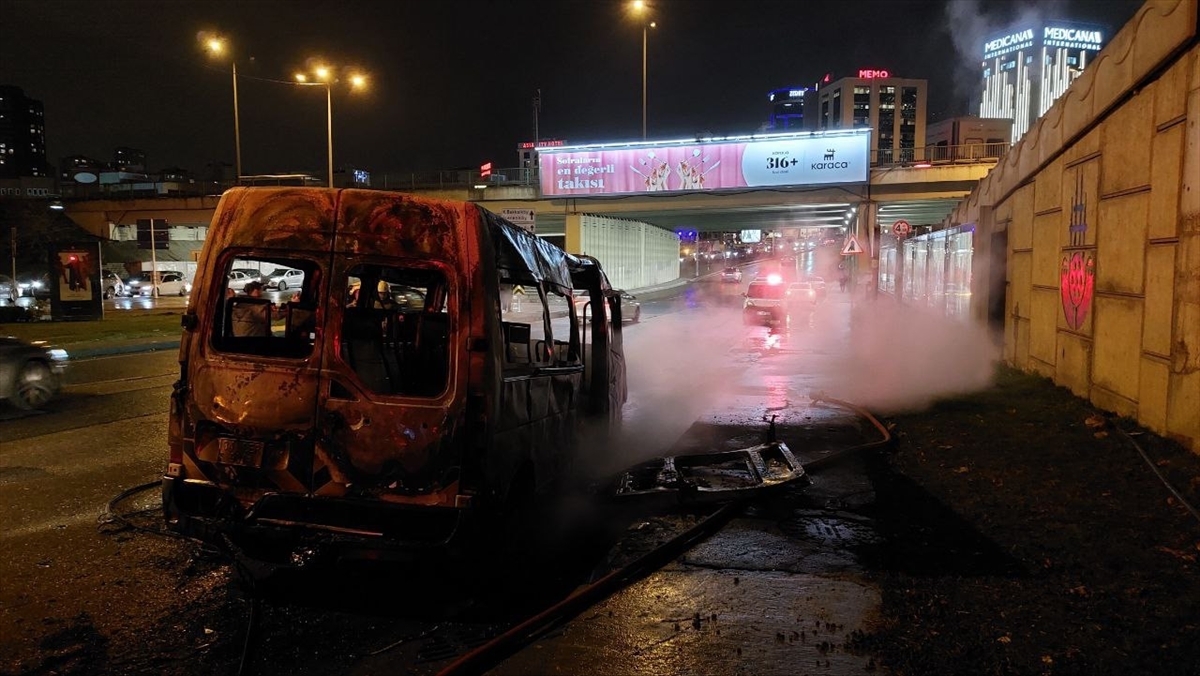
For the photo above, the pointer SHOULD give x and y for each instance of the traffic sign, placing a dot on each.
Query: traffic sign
(852, 247)
(522, 218)
(901, 228)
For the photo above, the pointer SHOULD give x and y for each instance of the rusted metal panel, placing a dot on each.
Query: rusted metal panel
(712, 477)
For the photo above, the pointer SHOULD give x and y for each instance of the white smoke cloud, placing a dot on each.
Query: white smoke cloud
(970, 23)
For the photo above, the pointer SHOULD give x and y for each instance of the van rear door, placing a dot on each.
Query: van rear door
(389, 416)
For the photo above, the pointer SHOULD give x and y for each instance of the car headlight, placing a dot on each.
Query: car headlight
(58, 354)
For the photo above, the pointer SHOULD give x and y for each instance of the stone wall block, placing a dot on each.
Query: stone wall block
(1121, 244)
(1043, 338)
(1117, 355)
(1125, 155)
(1165, 175)
(1073, 366)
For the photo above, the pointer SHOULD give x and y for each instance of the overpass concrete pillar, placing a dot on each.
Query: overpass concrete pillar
(574, 231)
(868, 237)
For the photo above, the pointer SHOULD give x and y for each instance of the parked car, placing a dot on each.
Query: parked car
(8, 288)
(111, 284)
(30, 373)
(731, 275)
(284, 279)
(170, 283)
(34, 285)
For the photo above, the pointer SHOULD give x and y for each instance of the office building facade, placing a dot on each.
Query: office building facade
(894, 108)
(22, 135)
(787, 109)
(1026, 69)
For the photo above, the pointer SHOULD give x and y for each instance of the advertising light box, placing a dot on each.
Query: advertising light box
(782, 160)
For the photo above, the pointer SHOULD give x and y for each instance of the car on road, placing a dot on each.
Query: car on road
(765, 302)
(30, 373)
(731, 274)
(801, 293)
(818, 284)
(238, 279)
(284, 279)
(170, 283)
(631, 308)
(111, 285)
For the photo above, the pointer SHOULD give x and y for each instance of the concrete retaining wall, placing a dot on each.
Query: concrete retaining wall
(1098, 211)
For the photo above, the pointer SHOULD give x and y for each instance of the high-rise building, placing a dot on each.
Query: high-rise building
(787, 109)
(1027, 68)
(22, 135)
(891, 106)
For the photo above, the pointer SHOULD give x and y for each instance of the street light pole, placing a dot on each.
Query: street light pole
(645, 28)
(237, 130)
(329, 128)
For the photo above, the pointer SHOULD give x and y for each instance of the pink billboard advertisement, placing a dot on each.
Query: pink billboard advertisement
(791, 161)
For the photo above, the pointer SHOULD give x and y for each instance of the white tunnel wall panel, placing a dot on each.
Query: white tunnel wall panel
(634, 254)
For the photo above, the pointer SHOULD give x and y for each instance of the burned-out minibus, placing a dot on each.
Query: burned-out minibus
(368, 367)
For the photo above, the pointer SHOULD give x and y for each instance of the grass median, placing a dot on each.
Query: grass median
(116, 328)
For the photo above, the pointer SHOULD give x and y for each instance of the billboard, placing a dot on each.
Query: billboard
(675, 166)
(75, 281)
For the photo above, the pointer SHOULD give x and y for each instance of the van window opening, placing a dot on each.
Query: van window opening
(538, 325)
(396, 329)
(267, 306)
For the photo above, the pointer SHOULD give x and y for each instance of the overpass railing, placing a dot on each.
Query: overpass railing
(959, 154)
(466, 178)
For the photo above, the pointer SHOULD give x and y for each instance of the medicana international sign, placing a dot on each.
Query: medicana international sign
(680, 166)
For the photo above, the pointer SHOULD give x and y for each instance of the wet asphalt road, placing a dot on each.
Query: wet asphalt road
(79, 596)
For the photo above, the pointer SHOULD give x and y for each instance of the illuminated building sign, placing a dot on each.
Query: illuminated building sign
(867, 74)
(685, 166)
(1072, 38)
(547, 143)
(1008, 43)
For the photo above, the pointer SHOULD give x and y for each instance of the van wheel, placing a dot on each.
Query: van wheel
(282, 285)
(182, 291)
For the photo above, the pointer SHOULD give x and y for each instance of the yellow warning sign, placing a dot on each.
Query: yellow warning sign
(852, 247)
(518, 290)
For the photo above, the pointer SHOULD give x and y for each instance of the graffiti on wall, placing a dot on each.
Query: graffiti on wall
(1077, 274)
(1078, 282)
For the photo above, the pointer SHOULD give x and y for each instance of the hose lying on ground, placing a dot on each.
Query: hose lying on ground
(1163, 479)
(493, 652)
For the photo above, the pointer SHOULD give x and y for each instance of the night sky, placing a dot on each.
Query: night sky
(452, 81)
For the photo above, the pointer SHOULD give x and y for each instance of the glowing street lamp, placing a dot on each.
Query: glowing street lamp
(639, 8)
(322, 76)
(216, 46)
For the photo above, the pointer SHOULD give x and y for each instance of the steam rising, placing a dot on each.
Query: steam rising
(685, 366)
(970, 26)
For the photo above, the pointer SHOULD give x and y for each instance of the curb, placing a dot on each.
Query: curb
(112, 350)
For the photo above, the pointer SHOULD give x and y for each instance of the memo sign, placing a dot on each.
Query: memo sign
(868, 74)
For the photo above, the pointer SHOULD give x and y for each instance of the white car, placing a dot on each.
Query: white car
(284, 279)
(170, 283)
(239, 279)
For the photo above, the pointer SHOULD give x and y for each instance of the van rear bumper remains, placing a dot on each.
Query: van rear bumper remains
(279, 525)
